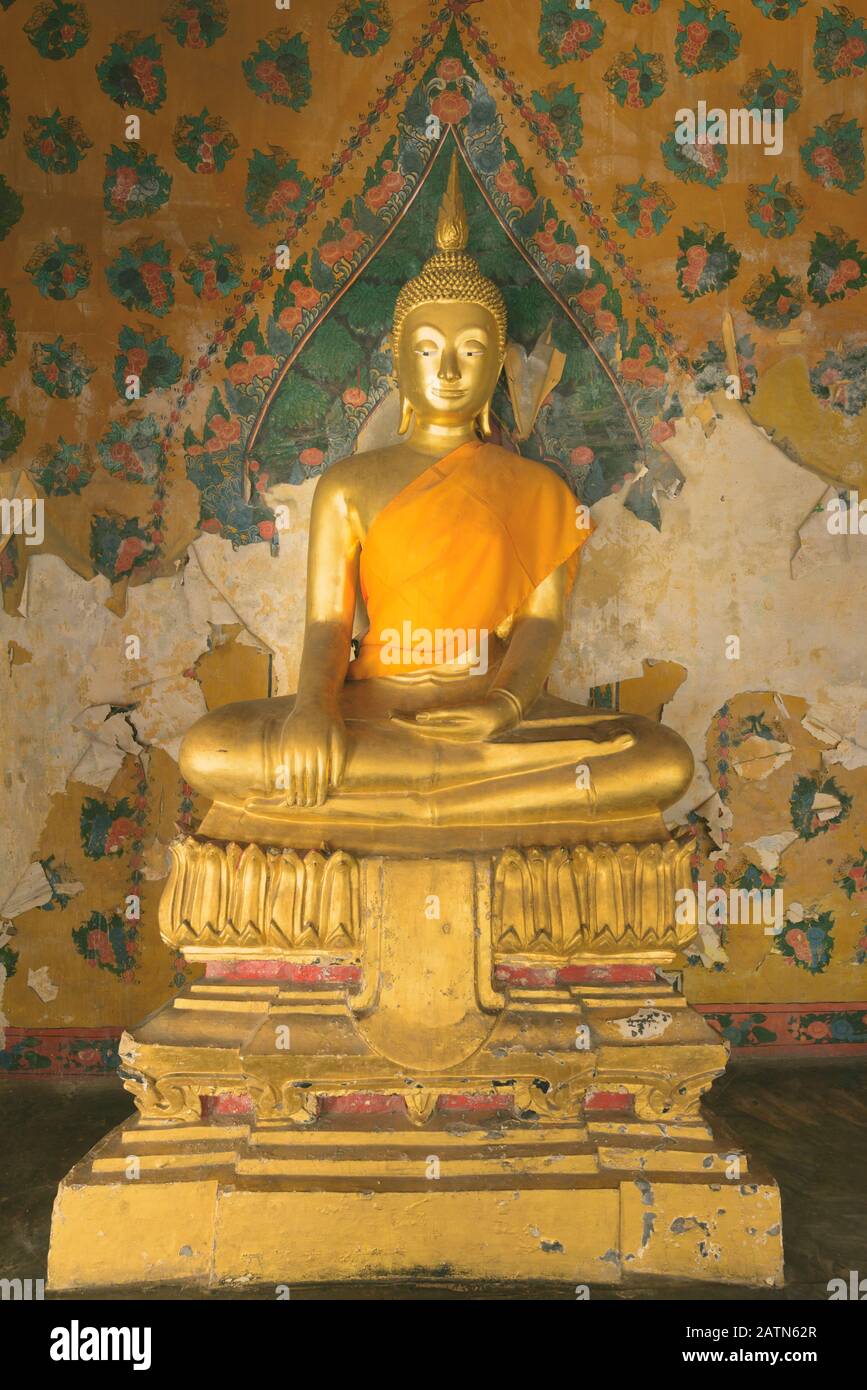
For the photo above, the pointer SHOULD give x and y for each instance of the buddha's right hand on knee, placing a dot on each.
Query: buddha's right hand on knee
(311, 756)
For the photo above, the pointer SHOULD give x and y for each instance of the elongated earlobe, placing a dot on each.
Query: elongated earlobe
(405, 415)
(483, 420)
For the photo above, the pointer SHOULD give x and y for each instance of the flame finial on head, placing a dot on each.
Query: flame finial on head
(452, 233)
(450, 274)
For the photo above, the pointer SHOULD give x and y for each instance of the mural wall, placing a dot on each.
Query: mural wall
(193, 326)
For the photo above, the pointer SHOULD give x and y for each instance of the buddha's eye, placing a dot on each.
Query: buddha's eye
(473, 350)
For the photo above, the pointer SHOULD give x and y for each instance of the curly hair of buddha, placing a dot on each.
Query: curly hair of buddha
(451, 274)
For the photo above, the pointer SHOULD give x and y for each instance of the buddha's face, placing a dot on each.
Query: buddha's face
(449, 361)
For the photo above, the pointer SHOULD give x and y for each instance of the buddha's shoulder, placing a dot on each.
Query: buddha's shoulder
(520, 469)
(346, 473)
(352, 477)
(345, 477)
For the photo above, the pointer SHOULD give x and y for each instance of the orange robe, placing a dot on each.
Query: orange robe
(462, 548)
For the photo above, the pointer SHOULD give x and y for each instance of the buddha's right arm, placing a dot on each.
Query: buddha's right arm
(332, 578)
(312, 749)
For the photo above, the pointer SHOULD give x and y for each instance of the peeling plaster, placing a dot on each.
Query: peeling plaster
(40, 982)
(757, 758)
(644, 1023)
(79, 670)
(720, 566)
(32, 890)
(769, 848)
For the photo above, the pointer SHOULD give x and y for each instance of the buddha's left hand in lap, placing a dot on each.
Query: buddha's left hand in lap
(480, 721)
(476, 721)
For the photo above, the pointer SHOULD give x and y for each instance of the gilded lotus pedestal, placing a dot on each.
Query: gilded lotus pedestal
(468, 1066)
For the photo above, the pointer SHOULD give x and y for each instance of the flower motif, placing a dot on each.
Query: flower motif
(642, 209)
(361, 27)
(840, 46)
(58, 29)
(204, 143)
(151, 360)
(562, 36)
(135, 184)
(706, 41)
(59, 269)
(132, 73)
(775, 209)
(212, 268)
(60, 369)
(56, 143)
(117, 547)
(131, 449)
(244, 373)
(450, 107)
(276, 187)
(278, 70)
(707, 262)
(311, 458)
(197, 23)
(838, 267)
(834, 154)
(62, 469)
(141, 277)
(774, 300)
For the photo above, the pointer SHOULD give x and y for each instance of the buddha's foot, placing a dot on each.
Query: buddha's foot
(600, 742)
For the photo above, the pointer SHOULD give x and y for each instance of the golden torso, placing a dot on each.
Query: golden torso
(364, 484)
(432, 748)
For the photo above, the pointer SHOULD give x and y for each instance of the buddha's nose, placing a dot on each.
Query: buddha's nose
(449, 366)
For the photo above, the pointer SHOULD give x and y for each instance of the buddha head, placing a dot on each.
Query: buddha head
(449, 333)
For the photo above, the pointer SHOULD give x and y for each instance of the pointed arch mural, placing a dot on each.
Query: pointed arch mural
(304, 379)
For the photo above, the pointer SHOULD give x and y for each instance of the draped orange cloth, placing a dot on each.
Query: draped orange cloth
(462, 548)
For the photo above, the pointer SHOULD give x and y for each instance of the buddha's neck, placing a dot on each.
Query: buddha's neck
(439, 440)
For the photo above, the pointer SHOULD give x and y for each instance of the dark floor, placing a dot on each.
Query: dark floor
(806, 1122)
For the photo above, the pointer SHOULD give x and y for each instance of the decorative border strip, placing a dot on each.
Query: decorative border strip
(60, 1051)
(788, 1030)
(831, 1030)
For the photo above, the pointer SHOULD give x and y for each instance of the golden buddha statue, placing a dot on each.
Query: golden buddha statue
(439, 733)
(427, 891)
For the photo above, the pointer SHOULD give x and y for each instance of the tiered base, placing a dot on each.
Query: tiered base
(455, 1067)
(584, 1203)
